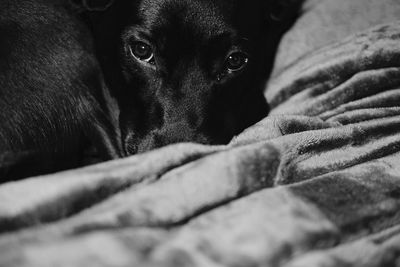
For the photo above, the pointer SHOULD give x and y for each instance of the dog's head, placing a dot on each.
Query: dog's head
(185, 70)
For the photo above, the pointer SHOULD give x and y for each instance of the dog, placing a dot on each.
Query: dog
(52, 106)
(186, 70)
(174, 71)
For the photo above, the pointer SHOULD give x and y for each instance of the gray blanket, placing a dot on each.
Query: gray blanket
(316, 183)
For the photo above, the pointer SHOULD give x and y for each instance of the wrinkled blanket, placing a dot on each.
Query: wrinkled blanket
(316, 183)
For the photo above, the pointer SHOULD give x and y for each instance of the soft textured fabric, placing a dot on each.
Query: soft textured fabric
(316, 183)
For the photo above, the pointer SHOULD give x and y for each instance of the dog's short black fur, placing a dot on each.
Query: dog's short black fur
(50, 90)
(186, 70)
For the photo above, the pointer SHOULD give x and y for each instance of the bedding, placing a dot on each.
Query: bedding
(316, 183)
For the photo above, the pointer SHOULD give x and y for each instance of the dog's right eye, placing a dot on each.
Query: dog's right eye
(142, 51)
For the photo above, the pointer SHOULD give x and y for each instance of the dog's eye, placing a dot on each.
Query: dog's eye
(236, 61)
(141, 51)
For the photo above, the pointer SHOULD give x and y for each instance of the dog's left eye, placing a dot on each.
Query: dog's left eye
(236, 61)
(142, 51)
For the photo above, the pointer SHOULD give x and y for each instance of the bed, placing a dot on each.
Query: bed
(316, 183)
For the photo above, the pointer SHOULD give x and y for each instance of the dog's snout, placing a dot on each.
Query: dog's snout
(168, 134)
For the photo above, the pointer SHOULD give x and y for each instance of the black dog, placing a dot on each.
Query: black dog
(177, 70)
(186, 70)
(50, 90)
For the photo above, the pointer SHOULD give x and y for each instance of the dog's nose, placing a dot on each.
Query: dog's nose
(130, 144)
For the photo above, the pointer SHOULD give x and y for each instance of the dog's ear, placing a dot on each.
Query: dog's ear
(282, 10)
(92, 5)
